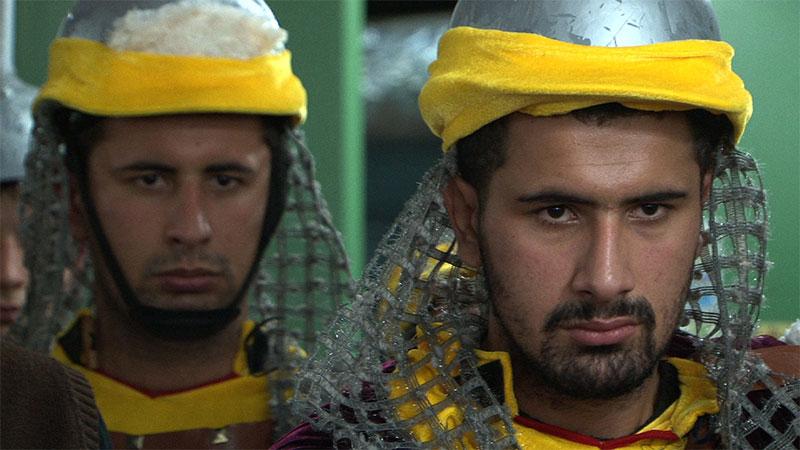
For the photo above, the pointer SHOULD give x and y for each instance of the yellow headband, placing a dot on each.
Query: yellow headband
(483, 75)
(90, 77)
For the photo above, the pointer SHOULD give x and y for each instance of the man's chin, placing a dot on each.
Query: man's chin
(183, 307)
(593, 373)
(184, 325)
(186, 302)
(599, 383)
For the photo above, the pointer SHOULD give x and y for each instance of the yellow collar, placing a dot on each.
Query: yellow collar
(698, 397)
(240, 399)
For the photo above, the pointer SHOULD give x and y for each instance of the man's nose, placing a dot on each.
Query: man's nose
(188, 222)
(605, 271)
(13, 273)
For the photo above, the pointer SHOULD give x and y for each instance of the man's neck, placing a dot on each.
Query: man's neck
(602, 419)
(128, 353)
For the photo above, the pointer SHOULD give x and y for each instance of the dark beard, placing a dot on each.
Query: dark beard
(582, 373)
(602, 372)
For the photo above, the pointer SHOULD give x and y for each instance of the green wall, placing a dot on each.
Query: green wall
(37, 24)
(766, 36)
(325, 40)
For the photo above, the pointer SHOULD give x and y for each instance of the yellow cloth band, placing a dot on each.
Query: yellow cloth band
(243, 399)
(93, 78)
(483, 75)
(240, 400)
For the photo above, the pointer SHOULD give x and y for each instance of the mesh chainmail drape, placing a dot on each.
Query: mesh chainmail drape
(362, 385)
(303, 276)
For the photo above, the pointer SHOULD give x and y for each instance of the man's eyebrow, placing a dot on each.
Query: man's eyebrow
(558, 197)
(230, 167)
(554, 197)
(143, 166)
(657, 197)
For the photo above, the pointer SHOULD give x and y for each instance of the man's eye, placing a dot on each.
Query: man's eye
(556, 214)
(650, 211)
(226, 181)
(149, 180)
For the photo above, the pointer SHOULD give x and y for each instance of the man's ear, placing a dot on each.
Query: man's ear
(461, 201)
(705, 191)
(706, 184)
(702, 242)
(78, 221)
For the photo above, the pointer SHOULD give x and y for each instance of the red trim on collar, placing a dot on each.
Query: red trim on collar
(588, 440)
(155, 394)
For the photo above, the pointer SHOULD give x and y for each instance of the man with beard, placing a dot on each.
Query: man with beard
(582, 230)
(590, 176)
(176, 160)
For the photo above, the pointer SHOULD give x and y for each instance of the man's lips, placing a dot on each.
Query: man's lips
(188, 281)
(602, 331)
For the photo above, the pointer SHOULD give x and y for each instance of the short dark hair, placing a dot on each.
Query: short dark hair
(484, 151)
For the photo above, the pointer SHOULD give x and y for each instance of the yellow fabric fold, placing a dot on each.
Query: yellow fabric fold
(242, 399)
(239, 400)
(483, 75)
(93, 78)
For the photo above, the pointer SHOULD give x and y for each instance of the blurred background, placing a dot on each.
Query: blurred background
(363, 63)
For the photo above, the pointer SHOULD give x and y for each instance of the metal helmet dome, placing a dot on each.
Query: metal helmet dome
(102, 24)
(600, 23)
(16, 97)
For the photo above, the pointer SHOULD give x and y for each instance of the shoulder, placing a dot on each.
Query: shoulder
(779, 357)
(45, 405)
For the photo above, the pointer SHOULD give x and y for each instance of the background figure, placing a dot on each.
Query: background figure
(591, 176)
(212, 256)
(13, 274)
(16, 97)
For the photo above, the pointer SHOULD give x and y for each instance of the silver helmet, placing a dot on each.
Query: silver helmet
(594, 22)
(362, 385)
(300, 277)
(16, 97)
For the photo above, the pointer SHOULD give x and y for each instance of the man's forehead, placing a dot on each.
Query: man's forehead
(552, 148)
(568, 129)
(187, 140)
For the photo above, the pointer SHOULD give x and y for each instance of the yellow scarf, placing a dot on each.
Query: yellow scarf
(93, 78)
(483, 75)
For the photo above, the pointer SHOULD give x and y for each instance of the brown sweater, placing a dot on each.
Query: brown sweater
(44, 404)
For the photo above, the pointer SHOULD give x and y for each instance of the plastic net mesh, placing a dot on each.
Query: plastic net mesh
(734, 262)
(303, 275)
(397, 367)
(362, 383)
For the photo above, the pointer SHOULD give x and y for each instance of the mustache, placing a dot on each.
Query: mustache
(585, 310)
(194, 258)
